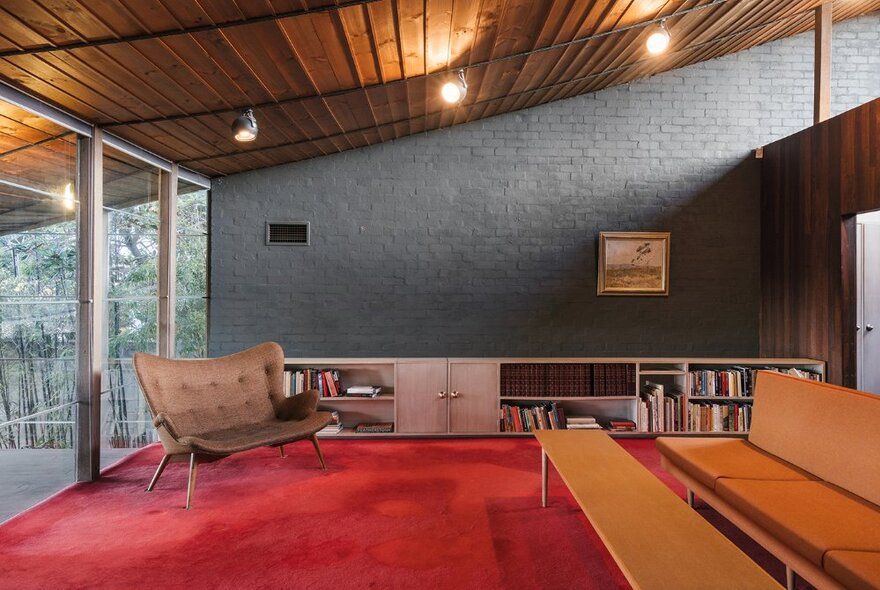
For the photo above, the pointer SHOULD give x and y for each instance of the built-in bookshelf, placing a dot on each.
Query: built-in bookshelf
(478, 397)
(353, 410)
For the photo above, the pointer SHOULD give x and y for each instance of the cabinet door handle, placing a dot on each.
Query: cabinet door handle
(454, 394)
(869, 327)
(441, 395)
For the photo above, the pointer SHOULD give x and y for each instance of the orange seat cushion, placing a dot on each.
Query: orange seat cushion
(811, 517)
(707, 459)
(857, 570)
(827, 430)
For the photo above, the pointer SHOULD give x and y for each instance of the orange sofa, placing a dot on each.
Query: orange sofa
(805, 484)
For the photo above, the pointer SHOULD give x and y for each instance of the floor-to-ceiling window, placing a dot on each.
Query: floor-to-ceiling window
(131, 221)
(38, 307)
(191, 317)
(44, 230)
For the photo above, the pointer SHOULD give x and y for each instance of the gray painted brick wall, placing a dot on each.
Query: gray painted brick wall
(481, 239)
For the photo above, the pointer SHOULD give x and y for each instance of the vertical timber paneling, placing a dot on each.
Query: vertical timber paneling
(813, 183)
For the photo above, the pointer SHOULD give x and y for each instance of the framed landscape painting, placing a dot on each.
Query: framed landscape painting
(634, 263)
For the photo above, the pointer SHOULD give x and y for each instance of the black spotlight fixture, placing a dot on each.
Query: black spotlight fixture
(245, 126)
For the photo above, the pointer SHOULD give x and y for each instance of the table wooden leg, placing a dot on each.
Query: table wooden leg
(543, 478)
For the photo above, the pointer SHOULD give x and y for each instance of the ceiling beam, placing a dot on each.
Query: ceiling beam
(441, 73)
(185, 31)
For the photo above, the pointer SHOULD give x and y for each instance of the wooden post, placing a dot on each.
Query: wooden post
(822, 71)
(167, 261)
(91, 306)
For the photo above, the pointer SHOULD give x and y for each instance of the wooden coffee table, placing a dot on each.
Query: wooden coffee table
(656, 539)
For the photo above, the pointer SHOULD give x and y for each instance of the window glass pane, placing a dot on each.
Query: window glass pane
(35, 471)
(38, 307)
(192, 272)
(192, 327)
(131, 214)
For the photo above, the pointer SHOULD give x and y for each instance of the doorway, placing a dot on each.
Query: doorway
(868, 301)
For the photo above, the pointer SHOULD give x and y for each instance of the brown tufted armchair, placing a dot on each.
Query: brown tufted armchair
(211, 408)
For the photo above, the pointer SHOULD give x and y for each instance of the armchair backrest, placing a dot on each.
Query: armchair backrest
(203, 395)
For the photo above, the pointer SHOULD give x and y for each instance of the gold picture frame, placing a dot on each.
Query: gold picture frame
(634, 263)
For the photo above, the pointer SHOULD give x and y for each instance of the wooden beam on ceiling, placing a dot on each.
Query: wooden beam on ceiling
(340, 4)
(822, 71)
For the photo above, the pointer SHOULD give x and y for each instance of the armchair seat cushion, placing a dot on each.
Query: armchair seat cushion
(708, 459)
(811, 517)
(259, 434)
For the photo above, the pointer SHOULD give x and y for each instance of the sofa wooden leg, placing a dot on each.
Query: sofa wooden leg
(191, 483)
(691, 498)
(789, 578)
(281, 450)
(318, 450)
(158, 473)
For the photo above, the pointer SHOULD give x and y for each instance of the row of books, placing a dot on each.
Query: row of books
(567, 379)
(703, 417)
(551, 416)
(660, 408)
(548, 416)
(327, 382)
(737, 381)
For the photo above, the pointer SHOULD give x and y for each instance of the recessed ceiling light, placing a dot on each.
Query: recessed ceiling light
(658, 41)
(454, 91)
(245, 127)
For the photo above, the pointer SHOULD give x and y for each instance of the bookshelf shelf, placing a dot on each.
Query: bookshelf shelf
(350, 433)
(464, 396)
(355, 399)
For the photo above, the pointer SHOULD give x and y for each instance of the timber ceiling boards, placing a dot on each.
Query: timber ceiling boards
(324, 76)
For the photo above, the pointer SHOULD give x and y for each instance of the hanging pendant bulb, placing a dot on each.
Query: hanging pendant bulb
(658, 41)
(245, 127)
(455, 91)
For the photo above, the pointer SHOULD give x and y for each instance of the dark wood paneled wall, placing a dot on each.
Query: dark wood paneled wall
(813, 184)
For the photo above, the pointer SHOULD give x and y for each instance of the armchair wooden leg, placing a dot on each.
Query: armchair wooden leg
(191, 484)
(318, 450)
(158, 473)
(281, 448)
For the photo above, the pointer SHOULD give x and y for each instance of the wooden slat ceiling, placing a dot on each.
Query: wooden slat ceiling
(171, 75)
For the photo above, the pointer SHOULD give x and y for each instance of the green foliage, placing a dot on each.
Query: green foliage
(38, 272)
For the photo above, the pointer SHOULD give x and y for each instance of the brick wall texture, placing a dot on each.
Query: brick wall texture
(481, 240)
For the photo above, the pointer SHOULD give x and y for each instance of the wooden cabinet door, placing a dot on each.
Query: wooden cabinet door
(420, 405)
(473, 401)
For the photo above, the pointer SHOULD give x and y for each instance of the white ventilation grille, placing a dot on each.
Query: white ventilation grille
(295, 233)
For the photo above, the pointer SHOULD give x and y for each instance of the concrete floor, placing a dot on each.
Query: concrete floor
(28, 476)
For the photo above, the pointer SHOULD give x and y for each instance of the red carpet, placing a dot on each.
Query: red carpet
(387, 514)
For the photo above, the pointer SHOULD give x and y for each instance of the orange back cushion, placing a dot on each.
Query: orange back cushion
(832, 432)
